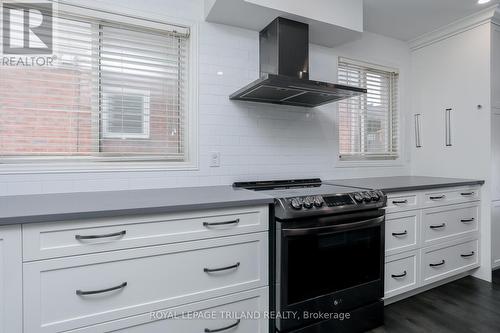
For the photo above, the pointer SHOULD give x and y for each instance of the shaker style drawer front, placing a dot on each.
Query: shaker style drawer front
(68, 293)
(451, 196)
(224, 314)
(401, 273)
(444, 223)
(450, 260)
(401, 232)
(397, 202)
(60, 239)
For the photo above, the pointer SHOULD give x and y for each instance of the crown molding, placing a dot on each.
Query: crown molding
(487, 15)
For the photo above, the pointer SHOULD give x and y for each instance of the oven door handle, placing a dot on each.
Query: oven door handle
(333, 228)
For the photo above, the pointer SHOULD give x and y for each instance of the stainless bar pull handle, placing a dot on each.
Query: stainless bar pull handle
(467, 220)
(213, 270)
(398, 234)
(442, 225)
(215, 224)
(448, 127)
(440, 197)
(115, 234)
(467, 194)
(207, 330)
(93, 292)
(418, 142)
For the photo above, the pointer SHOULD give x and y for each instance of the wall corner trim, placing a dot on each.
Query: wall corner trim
(487, 15)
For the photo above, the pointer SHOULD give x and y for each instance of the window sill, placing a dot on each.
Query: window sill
(89, 167)
(369, 163)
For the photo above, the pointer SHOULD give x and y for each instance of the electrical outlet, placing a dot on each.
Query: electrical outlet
(215, 159)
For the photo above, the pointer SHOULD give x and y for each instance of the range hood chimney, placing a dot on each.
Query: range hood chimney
(284, 69)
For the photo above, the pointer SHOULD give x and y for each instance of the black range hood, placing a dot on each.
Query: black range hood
(284, 68)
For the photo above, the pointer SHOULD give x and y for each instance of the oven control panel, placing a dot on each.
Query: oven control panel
(303, 206)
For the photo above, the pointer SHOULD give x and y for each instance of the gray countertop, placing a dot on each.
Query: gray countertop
(404, 183)
(64, 206)
(67, 206)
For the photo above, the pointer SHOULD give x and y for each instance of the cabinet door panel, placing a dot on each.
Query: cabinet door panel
(10, 280)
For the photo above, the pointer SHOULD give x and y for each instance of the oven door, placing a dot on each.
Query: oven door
(328, 265)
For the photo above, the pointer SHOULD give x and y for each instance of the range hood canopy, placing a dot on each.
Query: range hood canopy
(284, 68)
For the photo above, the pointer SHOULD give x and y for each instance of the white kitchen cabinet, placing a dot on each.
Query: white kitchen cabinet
(451, 73)
(402, 232)
(495, 142)
(108, 274)
(214, 314)
(445, 260)
(495, 234)
(11, 315)
(430, 235)
(402, 273)
(68, 238)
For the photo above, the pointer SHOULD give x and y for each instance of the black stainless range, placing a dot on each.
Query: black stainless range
(327, 254)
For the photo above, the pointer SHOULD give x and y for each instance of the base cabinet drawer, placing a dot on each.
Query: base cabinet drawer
(67, 293)
(232, 314)
(401, 273)
(402, 232)
(444, 223)
(62, 239)
(449, 259)
(450, 196)
(397, 202)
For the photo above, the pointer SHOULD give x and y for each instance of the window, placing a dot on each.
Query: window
(115, 92)
(368, 124)
(134, 123)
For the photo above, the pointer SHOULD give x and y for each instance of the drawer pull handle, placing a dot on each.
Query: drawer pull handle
(396, 234)
(439, 264)
(215, 224)
(400, 202)
(438, 197)
(467, 220)
(213, 270)
(468, 255)
(115, 234)
(207, 330)
(467, 194)
(442, 225)
(397, 276)
(93, 292)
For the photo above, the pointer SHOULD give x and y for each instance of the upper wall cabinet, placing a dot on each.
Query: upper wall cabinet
(331, 22)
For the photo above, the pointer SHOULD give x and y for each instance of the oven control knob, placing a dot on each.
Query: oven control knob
(367, 197)
(318, 201)
(296, 204)
(375, 196)
(358, 197)
(308, 202)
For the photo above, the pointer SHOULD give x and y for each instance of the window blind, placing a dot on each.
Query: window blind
(113, 91)
(368, 124)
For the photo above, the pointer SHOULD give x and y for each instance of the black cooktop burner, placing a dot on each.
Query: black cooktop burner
(279, 184)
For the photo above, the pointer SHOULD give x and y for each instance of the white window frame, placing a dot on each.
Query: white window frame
(106, 134)
(374, 161)
(146, 19)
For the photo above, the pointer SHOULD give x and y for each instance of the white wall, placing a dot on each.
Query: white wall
(256, 141)
(344, 13)
(455, 73)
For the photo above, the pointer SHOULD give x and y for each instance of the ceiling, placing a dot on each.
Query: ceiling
(408, 19)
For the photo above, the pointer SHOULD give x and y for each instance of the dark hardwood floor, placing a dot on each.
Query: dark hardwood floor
(467, 305)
